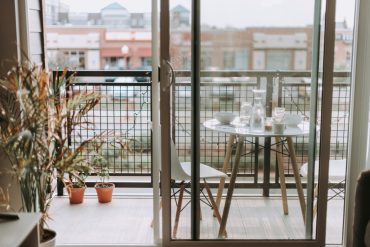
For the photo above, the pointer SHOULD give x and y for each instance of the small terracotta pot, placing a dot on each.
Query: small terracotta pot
(76, 194)
(104, 191)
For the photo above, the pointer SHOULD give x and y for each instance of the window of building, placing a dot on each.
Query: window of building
(236, 60)
(206, 60)
(241, 60)
(229, 60)
(146, 62)
(76, 59)
(114, 63)
(279, 60)
(186, 62)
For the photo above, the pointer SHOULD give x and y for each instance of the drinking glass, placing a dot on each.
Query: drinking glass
(279, 113)
(246, 109)
(258, 116)
(268, 124)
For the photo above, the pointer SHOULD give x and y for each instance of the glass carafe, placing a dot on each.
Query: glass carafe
(258, 114)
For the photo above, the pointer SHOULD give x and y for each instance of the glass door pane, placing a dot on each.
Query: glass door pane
(245, 106)
(256, 54)
(181, 118)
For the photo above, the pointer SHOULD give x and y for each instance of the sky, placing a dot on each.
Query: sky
(235, 13)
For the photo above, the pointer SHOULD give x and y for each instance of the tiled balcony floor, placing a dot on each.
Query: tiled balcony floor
(127, 220)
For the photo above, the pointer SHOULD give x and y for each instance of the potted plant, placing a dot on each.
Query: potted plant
(103, 188)
(36, 116)
(76, 186)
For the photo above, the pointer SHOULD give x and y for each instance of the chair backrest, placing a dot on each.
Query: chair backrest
(177, 172)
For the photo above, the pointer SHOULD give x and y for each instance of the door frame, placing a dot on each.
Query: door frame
(165, 119)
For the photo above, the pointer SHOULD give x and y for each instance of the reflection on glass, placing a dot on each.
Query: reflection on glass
(246, 110)
(258, 113)
(279, 113)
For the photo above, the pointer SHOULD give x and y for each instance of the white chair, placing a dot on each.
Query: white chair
(181, 171)
(337, 177)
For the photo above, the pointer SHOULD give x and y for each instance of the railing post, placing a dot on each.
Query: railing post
(269, 92)
(267, 148)
(279, 104)
(173, 112)
(60, 187)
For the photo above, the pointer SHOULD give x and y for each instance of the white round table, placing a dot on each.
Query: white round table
(301, 129)
(236, 130)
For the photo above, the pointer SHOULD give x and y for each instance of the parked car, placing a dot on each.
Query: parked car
(122, 91)
(143, 78)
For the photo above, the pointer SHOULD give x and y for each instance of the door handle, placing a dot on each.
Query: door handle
(172, 74)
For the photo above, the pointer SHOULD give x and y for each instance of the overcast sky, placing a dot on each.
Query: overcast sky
(236, 13)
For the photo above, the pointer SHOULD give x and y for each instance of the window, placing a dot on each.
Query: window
(186, 62)
(241, 60)
(114, 63)
(229, 59)
(279, 60)
(75, 59)
(146, 62)
(206, 60)
(236, 60)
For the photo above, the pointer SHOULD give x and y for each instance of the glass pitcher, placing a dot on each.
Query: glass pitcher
(258, 114)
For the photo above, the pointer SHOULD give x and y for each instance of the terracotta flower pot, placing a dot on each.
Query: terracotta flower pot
(104, 191)
(76, 194)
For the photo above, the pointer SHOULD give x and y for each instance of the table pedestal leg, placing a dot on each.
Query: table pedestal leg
(280, 162)
(230, 190)
(297, 177)
(224, 170)
(266, 167)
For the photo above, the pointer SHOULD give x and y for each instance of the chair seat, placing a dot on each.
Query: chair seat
(337, 170)
(205, 171)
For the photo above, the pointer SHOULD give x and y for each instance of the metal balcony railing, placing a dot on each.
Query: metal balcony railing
(125, 111)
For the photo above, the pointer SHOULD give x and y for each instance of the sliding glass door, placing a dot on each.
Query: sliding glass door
(246, 94)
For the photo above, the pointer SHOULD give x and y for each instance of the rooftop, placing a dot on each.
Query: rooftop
(180, 8)
(114, 6)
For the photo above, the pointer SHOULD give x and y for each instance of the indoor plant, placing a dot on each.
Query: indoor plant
(36, 115)
(76, 186)
(103, 188)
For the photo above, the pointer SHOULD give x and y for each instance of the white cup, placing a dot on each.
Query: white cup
(279, 128)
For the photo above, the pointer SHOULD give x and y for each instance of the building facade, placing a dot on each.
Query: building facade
(117, 39)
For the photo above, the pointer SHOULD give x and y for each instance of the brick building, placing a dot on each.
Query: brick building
(117, 39)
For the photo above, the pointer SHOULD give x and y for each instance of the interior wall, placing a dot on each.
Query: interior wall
(31, 30)
(359, 142)
(21, 39)
(8, 41)
(9, 55)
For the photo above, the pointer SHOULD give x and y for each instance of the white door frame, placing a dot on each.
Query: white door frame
(328, 61)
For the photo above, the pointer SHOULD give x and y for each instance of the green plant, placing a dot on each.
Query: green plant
(77, 176)
(37, 114)
(100, 165)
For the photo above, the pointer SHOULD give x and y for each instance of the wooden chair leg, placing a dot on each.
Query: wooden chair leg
(178, 210)
(214, 205)
(224, 169)
(284, 197)
(297, 177)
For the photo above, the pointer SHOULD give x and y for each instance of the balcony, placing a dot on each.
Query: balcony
(125, 111)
